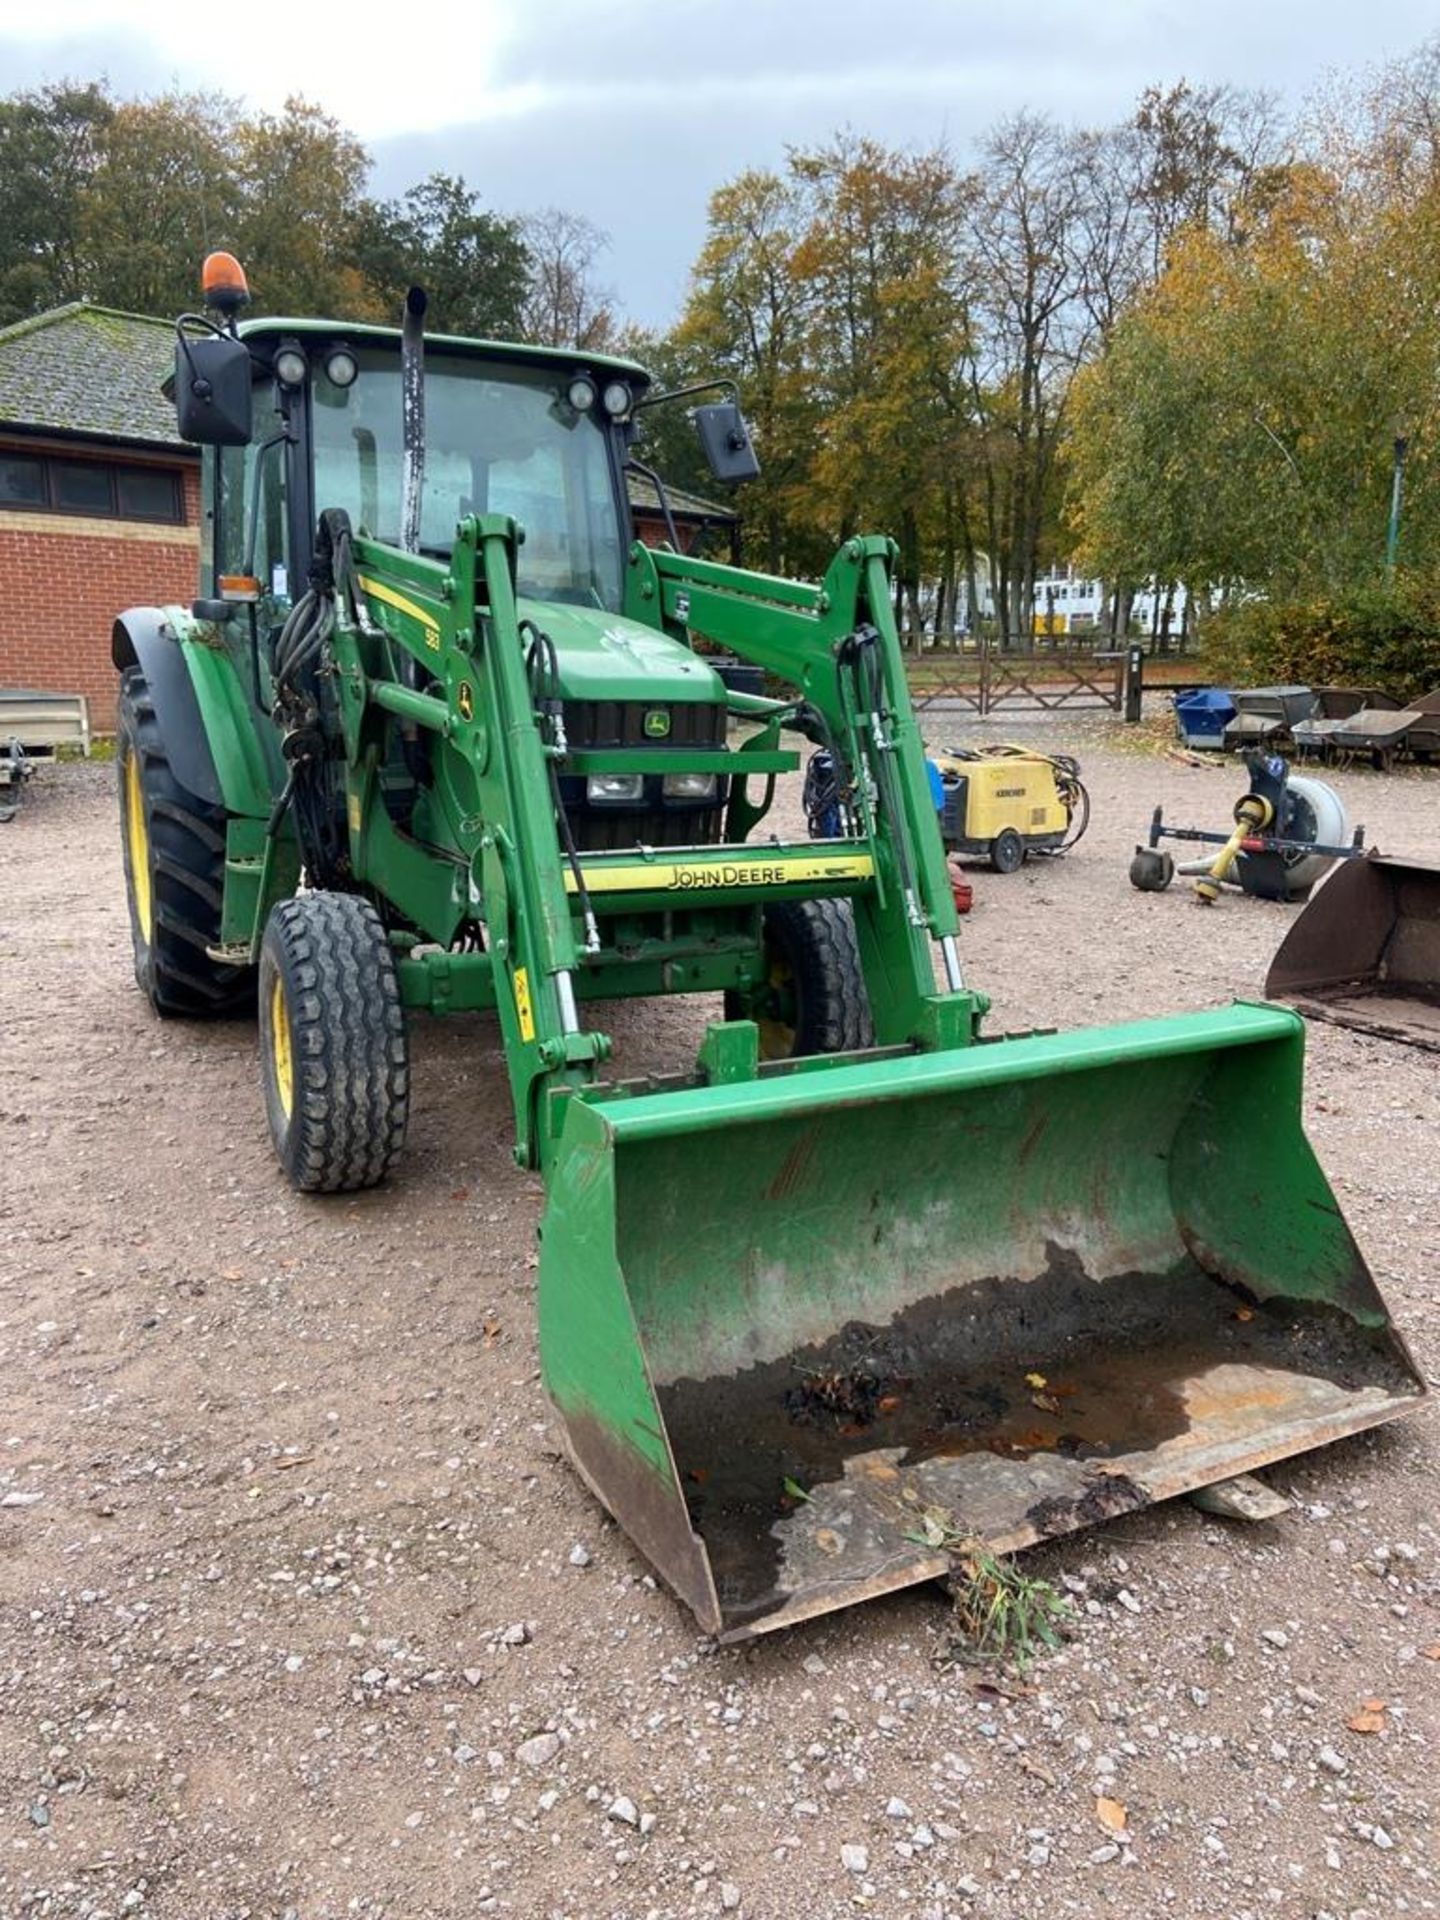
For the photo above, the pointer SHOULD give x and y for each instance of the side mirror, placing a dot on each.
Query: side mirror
(212, 390)
(725, 441)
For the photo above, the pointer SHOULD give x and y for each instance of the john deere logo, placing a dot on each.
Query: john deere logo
(657, 724)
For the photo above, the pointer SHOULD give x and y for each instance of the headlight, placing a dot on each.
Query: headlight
(581, 393)
(291, 367)
(608, 788)
(616, 399)
(341, 367)
(689, 786)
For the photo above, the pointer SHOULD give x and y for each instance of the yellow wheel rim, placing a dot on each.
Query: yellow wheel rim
(280, 1055)
(137, 839)
(777, 1037)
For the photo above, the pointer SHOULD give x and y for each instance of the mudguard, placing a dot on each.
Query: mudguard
(141, 637)
(209, 726)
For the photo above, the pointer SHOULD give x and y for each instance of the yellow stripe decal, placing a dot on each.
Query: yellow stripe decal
(404, 605)
(523, 1008)
(685, 876)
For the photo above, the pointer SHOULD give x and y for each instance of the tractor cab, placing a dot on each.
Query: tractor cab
(407, 444)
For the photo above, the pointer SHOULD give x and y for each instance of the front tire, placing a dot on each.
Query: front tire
(173, 846)
(333, 1056)
(813, 997)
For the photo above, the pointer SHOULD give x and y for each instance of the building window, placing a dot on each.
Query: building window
(47, 483)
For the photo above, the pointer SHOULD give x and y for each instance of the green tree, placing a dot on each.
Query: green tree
(50, 147)
(473, 264)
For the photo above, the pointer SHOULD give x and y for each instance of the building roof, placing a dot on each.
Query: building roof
(95, 371)
(89, 370)
(690, 506)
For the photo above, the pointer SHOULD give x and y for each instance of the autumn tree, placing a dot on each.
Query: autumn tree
(301, 177)
(564, 304)
(885, 324)
(745, 318)
(170, 156)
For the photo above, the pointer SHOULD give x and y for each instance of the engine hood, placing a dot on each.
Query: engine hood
(604, 656)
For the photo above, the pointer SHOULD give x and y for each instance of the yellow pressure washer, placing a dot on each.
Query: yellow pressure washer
(1005, 802)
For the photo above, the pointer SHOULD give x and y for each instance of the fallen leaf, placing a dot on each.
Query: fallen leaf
(888, 1402)
(232, 1273)
(490, 1332)
(1046, 1402)
(1036, 1771)
(1008, 1690)
(1244, 1313)
(1035, 1380)
(1110, 1813)
(1432, 1653)
(1370, 1718)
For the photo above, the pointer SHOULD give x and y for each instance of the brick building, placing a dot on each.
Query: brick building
(100, 503)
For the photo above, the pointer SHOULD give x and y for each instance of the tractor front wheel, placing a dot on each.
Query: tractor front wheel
(173, 846)
(333, 1055)
(812, 998)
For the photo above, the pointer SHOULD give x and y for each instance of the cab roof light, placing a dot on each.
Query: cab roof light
(223, 283)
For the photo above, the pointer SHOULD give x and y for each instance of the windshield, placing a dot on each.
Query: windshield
(498, 439)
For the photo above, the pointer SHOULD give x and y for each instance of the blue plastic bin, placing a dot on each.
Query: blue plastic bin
(1203, 716)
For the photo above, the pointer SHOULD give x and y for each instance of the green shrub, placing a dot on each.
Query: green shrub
(1385, 636)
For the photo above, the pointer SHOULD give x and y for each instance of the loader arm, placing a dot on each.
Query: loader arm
(446, 653)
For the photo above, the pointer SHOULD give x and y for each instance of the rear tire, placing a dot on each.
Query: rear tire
(333, 1056)
(1007, 851)
(173, 847)
(813, 999)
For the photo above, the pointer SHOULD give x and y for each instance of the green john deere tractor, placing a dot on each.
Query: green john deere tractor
(858, 1279)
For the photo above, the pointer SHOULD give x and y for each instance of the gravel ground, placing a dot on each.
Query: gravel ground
(302, 1615)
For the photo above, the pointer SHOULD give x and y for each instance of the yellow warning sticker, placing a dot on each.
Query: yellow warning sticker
(465, 700)
(352, 811)
(708, 876)
(522, 1004)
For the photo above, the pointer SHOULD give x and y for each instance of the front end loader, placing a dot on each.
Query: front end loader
(858, 1277)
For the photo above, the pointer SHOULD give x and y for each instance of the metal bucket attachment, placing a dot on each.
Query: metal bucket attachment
(1017, 1288)
(1366, 951)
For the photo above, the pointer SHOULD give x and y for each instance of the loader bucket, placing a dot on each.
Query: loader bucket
(1366, 951)
(1016, 1288)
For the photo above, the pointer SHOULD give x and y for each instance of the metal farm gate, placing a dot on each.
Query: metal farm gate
(999, 680)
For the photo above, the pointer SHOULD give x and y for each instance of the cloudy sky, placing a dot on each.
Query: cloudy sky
(632, 113)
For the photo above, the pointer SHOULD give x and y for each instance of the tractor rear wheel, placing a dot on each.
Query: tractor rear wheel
(173, 845)
(333, 1053)
(813, 997)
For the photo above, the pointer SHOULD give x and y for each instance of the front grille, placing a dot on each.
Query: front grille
(621, 723)
(616, 830)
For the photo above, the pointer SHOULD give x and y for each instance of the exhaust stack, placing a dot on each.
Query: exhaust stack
(412, 412)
